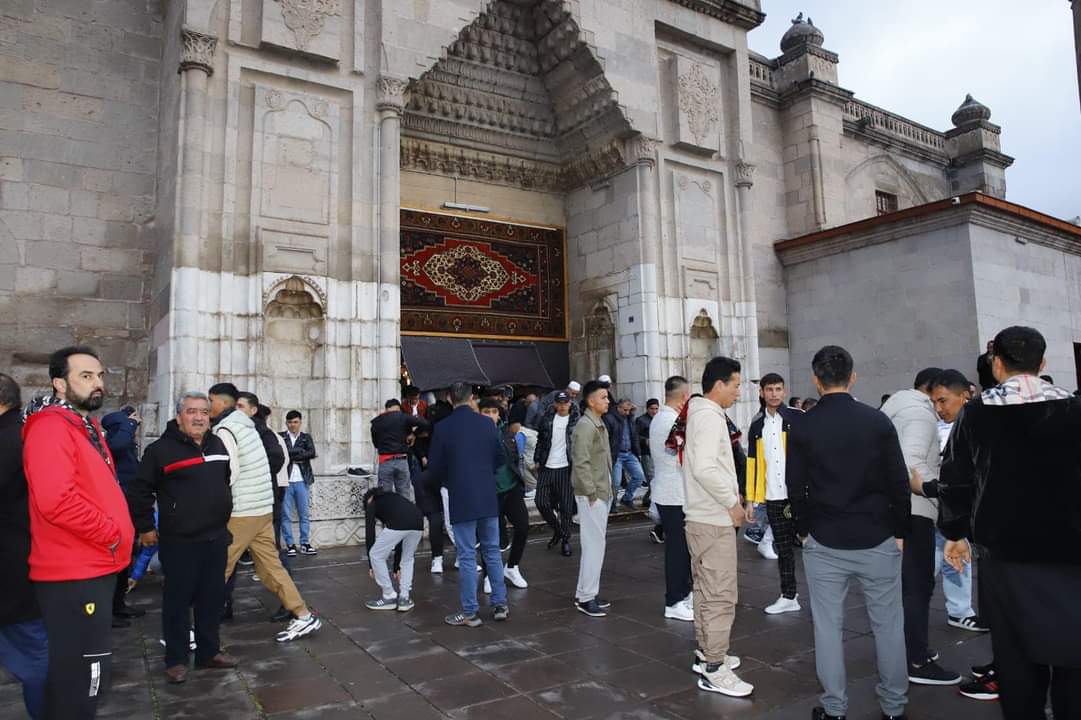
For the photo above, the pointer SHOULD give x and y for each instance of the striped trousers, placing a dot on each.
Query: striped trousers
(555, 499)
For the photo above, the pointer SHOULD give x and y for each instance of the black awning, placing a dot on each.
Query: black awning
(438, 362)
(512, 364)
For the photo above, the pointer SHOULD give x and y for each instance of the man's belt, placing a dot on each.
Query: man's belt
(397, 456)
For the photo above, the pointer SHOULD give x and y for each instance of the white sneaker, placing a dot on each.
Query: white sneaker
(689, 600)
(731, 662)
(487, 586)
(458, 567)
(437, 565)
(299, 628)
(679, 611)
(765, 549)
(783, 605)
(514, 575)
(531, 494)
(725, 682)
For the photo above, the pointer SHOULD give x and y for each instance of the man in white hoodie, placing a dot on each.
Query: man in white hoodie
(713, 510)
(913, 416)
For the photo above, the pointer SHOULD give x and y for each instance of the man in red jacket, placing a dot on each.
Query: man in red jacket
(80, 531)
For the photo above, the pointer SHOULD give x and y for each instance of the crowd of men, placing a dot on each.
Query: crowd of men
(888, 498)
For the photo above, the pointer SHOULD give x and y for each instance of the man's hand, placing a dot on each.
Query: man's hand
(131, 584)
(134, 416)
(900, 543)
(737, 514)
(957, 553)
(915, 481)
(148, 538)
(749, 512)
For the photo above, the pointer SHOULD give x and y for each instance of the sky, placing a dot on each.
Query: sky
(918, 58)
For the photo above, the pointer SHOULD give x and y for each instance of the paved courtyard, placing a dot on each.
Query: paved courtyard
(547, 661)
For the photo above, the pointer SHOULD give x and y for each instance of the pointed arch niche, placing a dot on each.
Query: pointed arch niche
(704, 345)
(595, 352)
(293, 366)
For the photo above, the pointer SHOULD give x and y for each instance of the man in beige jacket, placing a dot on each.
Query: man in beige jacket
(591, 476)
(714, 512)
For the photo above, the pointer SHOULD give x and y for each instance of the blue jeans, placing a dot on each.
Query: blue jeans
(296, 495)
(634, 467)
(466, 534)
(24, 651)
(757, 529)
(956, 586)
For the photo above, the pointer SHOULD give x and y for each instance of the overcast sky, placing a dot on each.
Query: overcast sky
(918, 58)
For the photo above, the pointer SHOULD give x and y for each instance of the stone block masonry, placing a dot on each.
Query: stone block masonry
(78, 155)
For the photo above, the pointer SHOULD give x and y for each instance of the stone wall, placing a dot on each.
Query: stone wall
(79, 99)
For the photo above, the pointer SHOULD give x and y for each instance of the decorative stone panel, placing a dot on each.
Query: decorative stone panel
(698, 94)
(312, 27)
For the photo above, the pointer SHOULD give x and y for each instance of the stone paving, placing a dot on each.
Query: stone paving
(547, 661)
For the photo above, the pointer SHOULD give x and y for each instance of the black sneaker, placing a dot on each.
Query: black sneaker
(971, 623)
(463, 620)
(246, 560)
(291, 551)
(602, 603)
(657, 535)
(983, 670)
(307, 549)
(500, 613)
(930, 673)
(820, 714)
(981, 688)
(591, 608)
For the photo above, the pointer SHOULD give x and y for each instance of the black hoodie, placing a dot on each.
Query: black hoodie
(189, 482)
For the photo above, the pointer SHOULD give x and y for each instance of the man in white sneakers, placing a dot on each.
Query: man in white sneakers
(766, 450)
(714, 511)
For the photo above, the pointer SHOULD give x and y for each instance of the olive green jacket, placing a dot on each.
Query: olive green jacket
(591, 459)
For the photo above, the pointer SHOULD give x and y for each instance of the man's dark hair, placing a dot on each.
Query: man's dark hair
(652, 401)
(252, 398)
(924, 378)
(1048, 379)
(591, 387)
(393, 402)
(832, 365)
(674, 383)
(372, 493)
(227, 389)
(411, 391)
(720, 369)
(490, 403)
(808, 403)
(10, 396)
(58, 361)
(262, 412)
(795, 401)
(1020, 349)
(293, 415)
(770, 379)
(952, 380)
(460, 393)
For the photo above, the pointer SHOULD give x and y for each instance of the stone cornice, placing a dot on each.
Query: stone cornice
(729, 11)
(814, 88)
(972, 208)
(891, 141)
(976, 125)
(987, 155)
(797, 52)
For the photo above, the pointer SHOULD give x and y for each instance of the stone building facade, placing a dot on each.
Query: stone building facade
(211, 189)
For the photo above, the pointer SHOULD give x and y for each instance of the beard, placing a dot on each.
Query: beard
(88, 403)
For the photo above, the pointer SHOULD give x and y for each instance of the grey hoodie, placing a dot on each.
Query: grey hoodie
(913, 416)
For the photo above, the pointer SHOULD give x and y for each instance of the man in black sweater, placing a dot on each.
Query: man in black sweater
(403, 524)
(24, 650)
(1019, 440)
(186, 471)
(849, 492)
(389, 433)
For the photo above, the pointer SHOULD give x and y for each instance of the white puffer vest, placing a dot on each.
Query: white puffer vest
(253, 494)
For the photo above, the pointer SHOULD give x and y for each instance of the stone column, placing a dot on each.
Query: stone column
(196, 67)
(817, 190)
(390, 104)
(641, 153)
(749, 304)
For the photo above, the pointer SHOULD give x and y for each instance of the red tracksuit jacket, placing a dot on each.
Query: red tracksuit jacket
(80, 527)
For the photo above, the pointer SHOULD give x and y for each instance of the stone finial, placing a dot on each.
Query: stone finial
(197, 51)
(971, 111)
(803, 32)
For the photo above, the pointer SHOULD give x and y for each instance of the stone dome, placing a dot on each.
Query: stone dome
(970, 111)
(802, 32)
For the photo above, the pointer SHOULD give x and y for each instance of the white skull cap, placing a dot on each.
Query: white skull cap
(573, 385)
(605, 379)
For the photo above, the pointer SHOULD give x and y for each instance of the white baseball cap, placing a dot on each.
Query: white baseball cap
(605, 379)
(573, 385)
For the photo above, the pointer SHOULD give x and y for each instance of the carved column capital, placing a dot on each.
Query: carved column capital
(391, 94)
(197, 51)
(642, 150)
(744, 174)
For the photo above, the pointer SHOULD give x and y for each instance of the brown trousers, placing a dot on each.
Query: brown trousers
(713, 567)
(257, 535)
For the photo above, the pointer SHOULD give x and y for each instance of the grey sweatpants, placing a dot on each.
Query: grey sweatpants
(878, 570)
(592, 529)
(381, 552)
(393, 476)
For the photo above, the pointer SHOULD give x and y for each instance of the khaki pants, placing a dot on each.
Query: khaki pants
(713, 567)
(257, 535)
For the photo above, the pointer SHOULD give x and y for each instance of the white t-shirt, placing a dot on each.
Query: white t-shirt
(294, 475)
(667, 485)
(773, 446)
(557, 455)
